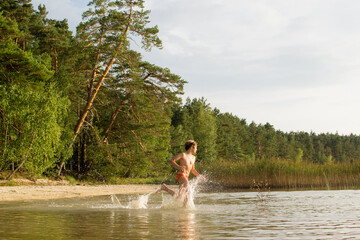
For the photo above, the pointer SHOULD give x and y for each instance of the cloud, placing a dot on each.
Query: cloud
(318, 109)
(261, 43)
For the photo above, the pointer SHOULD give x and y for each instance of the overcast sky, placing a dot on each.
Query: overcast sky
(292, 63)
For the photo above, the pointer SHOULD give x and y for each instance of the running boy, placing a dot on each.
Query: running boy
(185, 166)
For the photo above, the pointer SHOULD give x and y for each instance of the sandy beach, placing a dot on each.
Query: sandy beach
(43, 192)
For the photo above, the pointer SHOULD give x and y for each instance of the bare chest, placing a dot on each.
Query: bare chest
(187, 161)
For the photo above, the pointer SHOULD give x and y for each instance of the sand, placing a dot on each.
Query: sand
(50, 192)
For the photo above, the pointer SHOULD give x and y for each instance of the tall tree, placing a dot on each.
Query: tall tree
(104, 35)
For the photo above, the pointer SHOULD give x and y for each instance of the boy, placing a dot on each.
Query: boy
(185, 166)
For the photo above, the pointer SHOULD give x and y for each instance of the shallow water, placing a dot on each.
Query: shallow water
(221, 215)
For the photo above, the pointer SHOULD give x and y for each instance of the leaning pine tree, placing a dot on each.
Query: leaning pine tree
(104, 35)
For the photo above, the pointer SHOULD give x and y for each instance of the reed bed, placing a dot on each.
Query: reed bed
(284, 174)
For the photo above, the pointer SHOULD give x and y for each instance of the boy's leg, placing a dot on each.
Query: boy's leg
(184, 189)
(166, 189)
(184, 182)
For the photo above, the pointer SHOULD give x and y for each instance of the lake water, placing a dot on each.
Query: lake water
(220, 215)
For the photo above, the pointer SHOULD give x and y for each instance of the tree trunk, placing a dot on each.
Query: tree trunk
(92, 97)
(96, 90)
(83, 151)
(56, 61)
(113, 117)
(22, 163)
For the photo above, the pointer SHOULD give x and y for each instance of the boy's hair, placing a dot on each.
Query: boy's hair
(189, 144)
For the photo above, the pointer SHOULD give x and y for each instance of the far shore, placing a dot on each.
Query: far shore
(62, 189)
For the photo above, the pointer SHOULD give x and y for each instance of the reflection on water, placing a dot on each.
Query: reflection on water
(225, 215)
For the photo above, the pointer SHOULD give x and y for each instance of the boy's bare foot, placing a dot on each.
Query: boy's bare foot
(163, 187)
(166, 189)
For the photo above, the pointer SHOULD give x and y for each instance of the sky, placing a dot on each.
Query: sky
(292, 63)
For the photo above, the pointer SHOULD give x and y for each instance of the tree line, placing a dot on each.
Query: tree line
(224, 136)
(87, 103)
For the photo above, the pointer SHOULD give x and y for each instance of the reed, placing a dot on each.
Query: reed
(284, 174)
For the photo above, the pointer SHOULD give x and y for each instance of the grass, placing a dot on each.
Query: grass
(277, 174)
(285, 174)
(71, 180)
(116, 180)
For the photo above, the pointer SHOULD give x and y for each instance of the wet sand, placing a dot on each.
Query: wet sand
(26, 193)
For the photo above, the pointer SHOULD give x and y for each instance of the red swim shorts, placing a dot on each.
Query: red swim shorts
(181, 175)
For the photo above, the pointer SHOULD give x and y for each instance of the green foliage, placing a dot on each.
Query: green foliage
(196, 120)
(31, 119)
(18, 65)
(232, 136)
(70, 179)
(299, 156)
(9, 29)
(32, 112)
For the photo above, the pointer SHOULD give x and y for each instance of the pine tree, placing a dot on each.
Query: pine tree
(200, 124)
(104, 36)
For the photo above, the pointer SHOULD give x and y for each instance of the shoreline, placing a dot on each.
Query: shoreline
(52, 192)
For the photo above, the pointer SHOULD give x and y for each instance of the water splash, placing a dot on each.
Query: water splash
(140, 203)
(190, 193)
(145, 201)
(183, 198)
(186, 199)
(115, 200)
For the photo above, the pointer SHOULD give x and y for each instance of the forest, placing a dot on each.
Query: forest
(87, 105)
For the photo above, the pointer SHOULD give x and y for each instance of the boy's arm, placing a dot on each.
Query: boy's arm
(193, 171)
(176, 158)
